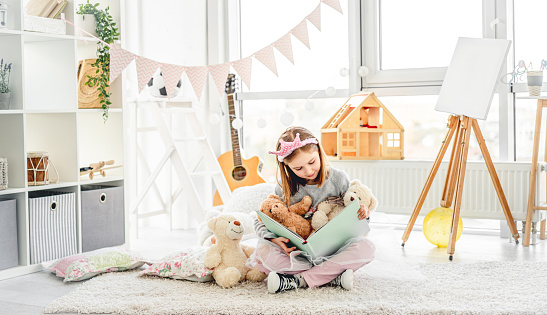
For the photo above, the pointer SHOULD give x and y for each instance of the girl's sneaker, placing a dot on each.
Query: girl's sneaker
(278, 282)
(345, 280)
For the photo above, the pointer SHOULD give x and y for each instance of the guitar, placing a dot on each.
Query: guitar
(237, 171)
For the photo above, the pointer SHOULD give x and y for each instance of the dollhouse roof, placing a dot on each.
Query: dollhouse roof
(352, 107)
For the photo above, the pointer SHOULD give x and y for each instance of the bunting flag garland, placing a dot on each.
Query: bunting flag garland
(219, 73)
(315, 17)
(120, 59)
(266, 56)
(197, 76)
(284, 45)
(335, 4)
(243, 67)
(171, 76)
(145, 70)
(301, 32)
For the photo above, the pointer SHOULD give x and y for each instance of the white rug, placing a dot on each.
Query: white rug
(445, 288)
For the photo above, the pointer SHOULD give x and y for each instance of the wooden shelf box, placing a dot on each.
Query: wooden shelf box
(363, 129)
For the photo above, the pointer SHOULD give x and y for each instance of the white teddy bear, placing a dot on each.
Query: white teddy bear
(227, 256)
(356, 191)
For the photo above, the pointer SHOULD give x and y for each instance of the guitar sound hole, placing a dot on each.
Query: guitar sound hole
(239, 173)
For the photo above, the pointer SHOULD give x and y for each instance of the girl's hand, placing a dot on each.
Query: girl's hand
(363, 213)
(282, 242)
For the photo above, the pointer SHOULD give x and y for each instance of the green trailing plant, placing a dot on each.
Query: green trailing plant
(5, 71)
(107, 32)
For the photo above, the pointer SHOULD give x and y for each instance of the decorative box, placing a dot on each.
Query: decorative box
(3, 173)
(52, 224)
(45, 25)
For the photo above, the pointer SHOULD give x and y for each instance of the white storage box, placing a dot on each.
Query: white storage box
(52, 225)
(45, 25)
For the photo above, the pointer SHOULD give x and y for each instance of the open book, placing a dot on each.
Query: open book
(329, 238)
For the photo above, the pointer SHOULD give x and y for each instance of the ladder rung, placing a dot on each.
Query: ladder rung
(146, 129)
(151, 214)
(190, 139)
(206, 173)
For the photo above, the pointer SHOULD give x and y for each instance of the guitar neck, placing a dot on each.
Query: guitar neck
(236, 153)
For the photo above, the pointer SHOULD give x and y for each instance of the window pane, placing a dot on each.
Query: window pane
(258, 141)
(264, 22)
(425, 128)
(423, 33)
(529, 22)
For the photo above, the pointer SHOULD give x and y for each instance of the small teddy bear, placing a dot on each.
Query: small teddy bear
(291, 216)
(356, 191)
(227, 256)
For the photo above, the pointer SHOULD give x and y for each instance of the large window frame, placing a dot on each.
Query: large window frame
(363, 45)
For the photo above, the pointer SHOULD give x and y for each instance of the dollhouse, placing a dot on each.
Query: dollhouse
(363, 129)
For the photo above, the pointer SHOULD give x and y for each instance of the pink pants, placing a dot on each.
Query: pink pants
(354, 257)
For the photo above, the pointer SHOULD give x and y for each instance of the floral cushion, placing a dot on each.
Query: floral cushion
(87, 265)
(183, 265)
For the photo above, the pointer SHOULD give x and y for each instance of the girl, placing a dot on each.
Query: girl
(304, 171)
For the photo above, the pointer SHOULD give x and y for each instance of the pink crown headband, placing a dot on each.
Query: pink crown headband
(288, 147)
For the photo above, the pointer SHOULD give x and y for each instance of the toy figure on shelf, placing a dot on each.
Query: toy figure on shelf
(99, 167)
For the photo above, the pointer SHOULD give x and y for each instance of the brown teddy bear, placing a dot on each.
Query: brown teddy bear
(291, 216)
(356, 191)
(227, 256)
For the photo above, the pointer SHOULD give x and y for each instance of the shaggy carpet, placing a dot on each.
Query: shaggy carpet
(444, 288)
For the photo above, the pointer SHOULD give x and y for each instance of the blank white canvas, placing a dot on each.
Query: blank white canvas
(471, 78)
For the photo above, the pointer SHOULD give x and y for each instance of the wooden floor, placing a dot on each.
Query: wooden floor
(29, 294)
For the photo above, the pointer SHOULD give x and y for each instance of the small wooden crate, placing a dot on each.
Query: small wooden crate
(3, 173)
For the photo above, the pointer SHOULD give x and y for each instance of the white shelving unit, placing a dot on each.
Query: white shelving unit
(44, 116)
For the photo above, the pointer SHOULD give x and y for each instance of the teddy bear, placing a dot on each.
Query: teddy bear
(227, 257)
(356, 191)
(291, 216)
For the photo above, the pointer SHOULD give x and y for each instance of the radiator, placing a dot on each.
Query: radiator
(398, 184)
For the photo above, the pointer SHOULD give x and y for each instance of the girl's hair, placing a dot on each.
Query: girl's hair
(289, 180)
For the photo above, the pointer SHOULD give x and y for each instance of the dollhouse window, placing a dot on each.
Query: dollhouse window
(348, 139)
(393, 140)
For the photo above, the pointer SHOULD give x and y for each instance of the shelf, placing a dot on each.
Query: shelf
(52, 186)
(29, 37)
(9, 191)
(98, 179)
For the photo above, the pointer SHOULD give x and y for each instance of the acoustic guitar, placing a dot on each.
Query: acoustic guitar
(237, 171)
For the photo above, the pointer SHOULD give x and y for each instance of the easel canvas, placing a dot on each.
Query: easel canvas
(466, 93)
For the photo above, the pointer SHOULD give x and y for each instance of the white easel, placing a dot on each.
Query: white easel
(185, 169)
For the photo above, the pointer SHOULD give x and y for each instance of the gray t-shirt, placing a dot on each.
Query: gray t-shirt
(336, 184)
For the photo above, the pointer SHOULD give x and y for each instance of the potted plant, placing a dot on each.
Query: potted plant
(108, 32)
(5, 92)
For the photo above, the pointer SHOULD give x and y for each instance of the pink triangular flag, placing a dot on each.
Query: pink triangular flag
(284, 45)
(267, 57)
(119, 59)
(145, 69)
(171, 75)
(301, 32)
(197, 77)
(219, 73)
(315, 17)
(335, 4)
(243, 67)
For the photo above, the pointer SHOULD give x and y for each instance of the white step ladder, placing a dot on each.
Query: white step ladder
(183, 161)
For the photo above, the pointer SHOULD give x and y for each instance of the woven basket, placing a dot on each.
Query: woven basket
(3, 173)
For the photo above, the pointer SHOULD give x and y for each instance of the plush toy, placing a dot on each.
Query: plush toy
(291, 216)
(327, 210)
(227, 256)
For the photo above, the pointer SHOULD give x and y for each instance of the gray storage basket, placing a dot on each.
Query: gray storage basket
(103, 220)
(52, 225)
(3, 173)
(9, 252)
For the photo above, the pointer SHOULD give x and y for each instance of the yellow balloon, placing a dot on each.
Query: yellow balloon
(437, 224)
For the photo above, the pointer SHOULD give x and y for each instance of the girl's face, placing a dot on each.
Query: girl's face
(305, 165)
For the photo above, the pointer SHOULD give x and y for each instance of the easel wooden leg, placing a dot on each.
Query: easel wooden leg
(465, 130)
(452, 172)
(495, 180)
(452, 125)
(533, 175)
